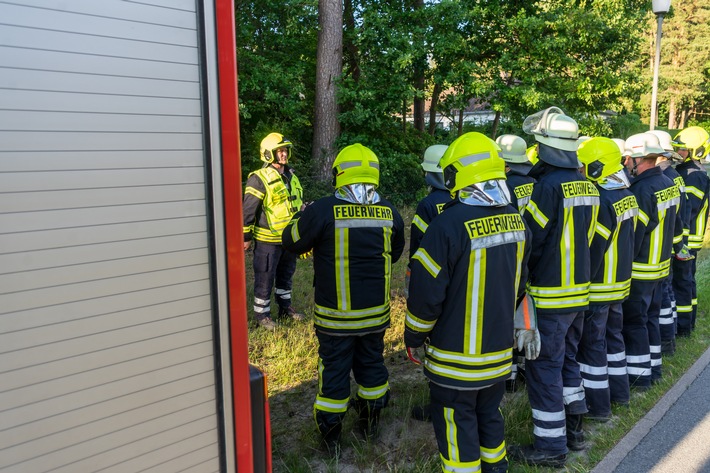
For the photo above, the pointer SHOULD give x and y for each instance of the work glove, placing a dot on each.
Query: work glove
(407, 276)
(306, 255)
(684, 254)
(528, 340)
(415, 354)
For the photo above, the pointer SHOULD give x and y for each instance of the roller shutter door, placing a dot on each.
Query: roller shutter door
(107, 357)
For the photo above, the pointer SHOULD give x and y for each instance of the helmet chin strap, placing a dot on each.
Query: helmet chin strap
(634, 170)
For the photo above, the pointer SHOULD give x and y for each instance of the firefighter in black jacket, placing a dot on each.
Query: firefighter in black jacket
(427, 208)
(466, 277)
(668, 315)
(658, 199)
(693, 144)
(562, 215)
(273, 194)
(513, 150)
(355, 236)
(611, 257)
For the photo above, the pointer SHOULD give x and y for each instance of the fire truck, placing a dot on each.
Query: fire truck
(123, 327)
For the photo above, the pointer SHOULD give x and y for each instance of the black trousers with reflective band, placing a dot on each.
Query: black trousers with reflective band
(469, 426)
(272, 264)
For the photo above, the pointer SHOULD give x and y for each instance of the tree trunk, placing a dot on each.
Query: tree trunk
(419, 70)
(432, 109)
(329, 64)
(460, 122)
(683, 118)
(353, 53)
(671, 113)
(496, 122)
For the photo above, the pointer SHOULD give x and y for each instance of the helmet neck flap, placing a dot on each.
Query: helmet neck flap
(491, 193)
(362, 194)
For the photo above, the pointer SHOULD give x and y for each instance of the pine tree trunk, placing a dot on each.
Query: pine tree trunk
(419, 70)
(329, 62)
(432, 109)
(496, 122)
(671, 113)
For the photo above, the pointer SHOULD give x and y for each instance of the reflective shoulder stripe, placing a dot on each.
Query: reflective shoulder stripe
(295, 235)
(250, 190)
(537, 214)
(420, 224)
(643, 217)
(423, 257)
(695, 191)
(603, 231)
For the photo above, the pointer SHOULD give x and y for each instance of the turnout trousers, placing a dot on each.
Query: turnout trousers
(592, 358)
(554, 381)
(683, 286)
(616, 356)
(469, 428)
(654, 332)
(666, 321)
(337, 357)
(272, 264)
(636, 336)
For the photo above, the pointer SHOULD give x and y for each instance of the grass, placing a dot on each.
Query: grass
(289, 356)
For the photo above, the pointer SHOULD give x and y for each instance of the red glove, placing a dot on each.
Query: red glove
(413, 355)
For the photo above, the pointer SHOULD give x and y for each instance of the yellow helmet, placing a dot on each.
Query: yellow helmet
(271, 143)
(601, 157)
(531, 153)
(471, 158)
(695, 139)
(356, 164)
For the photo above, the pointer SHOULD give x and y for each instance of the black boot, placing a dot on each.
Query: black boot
(422, 412)
(330, 438)
(575, 434)
(532, 456)
(368, 421)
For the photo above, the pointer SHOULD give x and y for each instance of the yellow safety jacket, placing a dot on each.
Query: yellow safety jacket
(271, 199)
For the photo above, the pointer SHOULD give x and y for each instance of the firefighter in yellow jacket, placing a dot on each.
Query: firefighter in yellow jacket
(272, 196)
(466, 277)
(356, 236)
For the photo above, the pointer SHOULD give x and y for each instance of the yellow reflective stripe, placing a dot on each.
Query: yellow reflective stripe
(418, 325)
(342, 268)
(420, 224)
(349, 324)
(519, 263)
(266, 236)
(295, 236)
(258, 194)
(695, 191)
(593, 221)
(469, 359)
(482, 374)
(643, 217)
(249, 229)
(566, 249)
(684, 308)
(429, 264)
(452, 441)
(493, 455)
(387, 253)
(537, 214)
(603, 231)
(336, 406)
(576, 289)
(650, 271)
(372, 393)
(475, 292)
(459, 467)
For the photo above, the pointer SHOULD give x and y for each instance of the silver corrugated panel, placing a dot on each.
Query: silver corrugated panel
(107, 356)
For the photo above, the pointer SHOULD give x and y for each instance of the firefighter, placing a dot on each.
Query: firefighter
(692, 144)
(513, 150)
(611, 257)
(668, 314)
(517, 166)
(561, 214)
(427, 208)
(273, 194)
(356, 236)
(658, 199)
(466, 277)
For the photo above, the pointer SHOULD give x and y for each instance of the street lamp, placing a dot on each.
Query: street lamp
(660, 8)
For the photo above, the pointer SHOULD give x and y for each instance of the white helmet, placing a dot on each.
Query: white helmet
(553, 128)
(621, 144)
(666, 141)
(432, 156)
(512, 149)
(644, 145)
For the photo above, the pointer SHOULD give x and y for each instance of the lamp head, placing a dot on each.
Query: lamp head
(661, 7)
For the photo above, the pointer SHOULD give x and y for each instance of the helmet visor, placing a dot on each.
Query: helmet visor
(535, 123)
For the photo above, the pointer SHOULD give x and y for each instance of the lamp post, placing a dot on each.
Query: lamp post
(660, 8)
